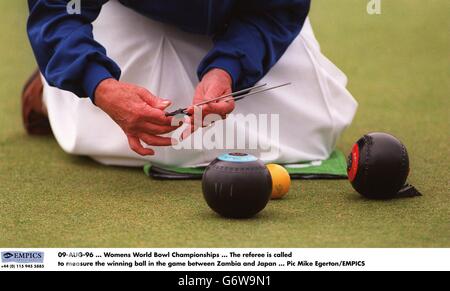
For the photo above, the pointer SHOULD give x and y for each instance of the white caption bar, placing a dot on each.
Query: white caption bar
(224, 259)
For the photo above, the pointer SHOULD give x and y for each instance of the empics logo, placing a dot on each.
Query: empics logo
(23, 257)
(8, 255)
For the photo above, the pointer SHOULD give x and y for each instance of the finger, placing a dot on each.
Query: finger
(211, 118)
(195, 113)
(222, 108)
(154, 140)
(199, 117)
(188, 132)
(215, 111)
(156, 129)
(156, 116)
(154, 101)
(191, 127)
(163, 104)
(137, 147)
(199, 94)
(216, 91)
(231, 100)
(190, 110)
(178, 120)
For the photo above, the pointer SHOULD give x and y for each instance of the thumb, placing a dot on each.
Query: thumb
(154, 101)
(162, 104)
(214, 92)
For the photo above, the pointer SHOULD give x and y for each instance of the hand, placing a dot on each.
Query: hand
(215, 83)
(138, 112)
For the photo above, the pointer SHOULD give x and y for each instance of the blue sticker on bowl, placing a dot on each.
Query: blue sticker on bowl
(237, 158)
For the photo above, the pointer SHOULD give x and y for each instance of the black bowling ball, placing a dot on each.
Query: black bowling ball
(378, 166)
(237, 185)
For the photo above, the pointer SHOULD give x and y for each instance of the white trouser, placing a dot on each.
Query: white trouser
(313, 111)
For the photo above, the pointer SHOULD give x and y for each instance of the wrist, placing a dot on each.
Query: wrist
(102, 91)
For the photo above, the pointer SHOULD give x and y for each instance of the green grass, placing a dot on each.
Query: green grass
(398, 67)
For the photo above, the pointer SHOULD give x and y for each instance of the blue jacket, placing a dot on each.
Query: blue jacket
(249, 37)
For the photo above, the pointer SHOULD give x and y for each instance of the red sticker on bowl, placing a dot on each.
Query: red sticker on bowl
(354, 163)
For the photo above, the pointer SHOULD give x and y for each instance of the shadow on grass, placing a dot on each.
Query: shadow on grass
(87, 162)
(357, 198)
(264, 216)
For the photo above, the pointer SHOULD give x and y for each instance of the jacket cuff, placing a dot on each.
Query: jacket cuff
(231, 65)
(93, 75)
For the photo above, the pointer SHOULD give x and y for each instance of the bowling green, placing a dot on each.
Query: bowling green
(398, 69)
